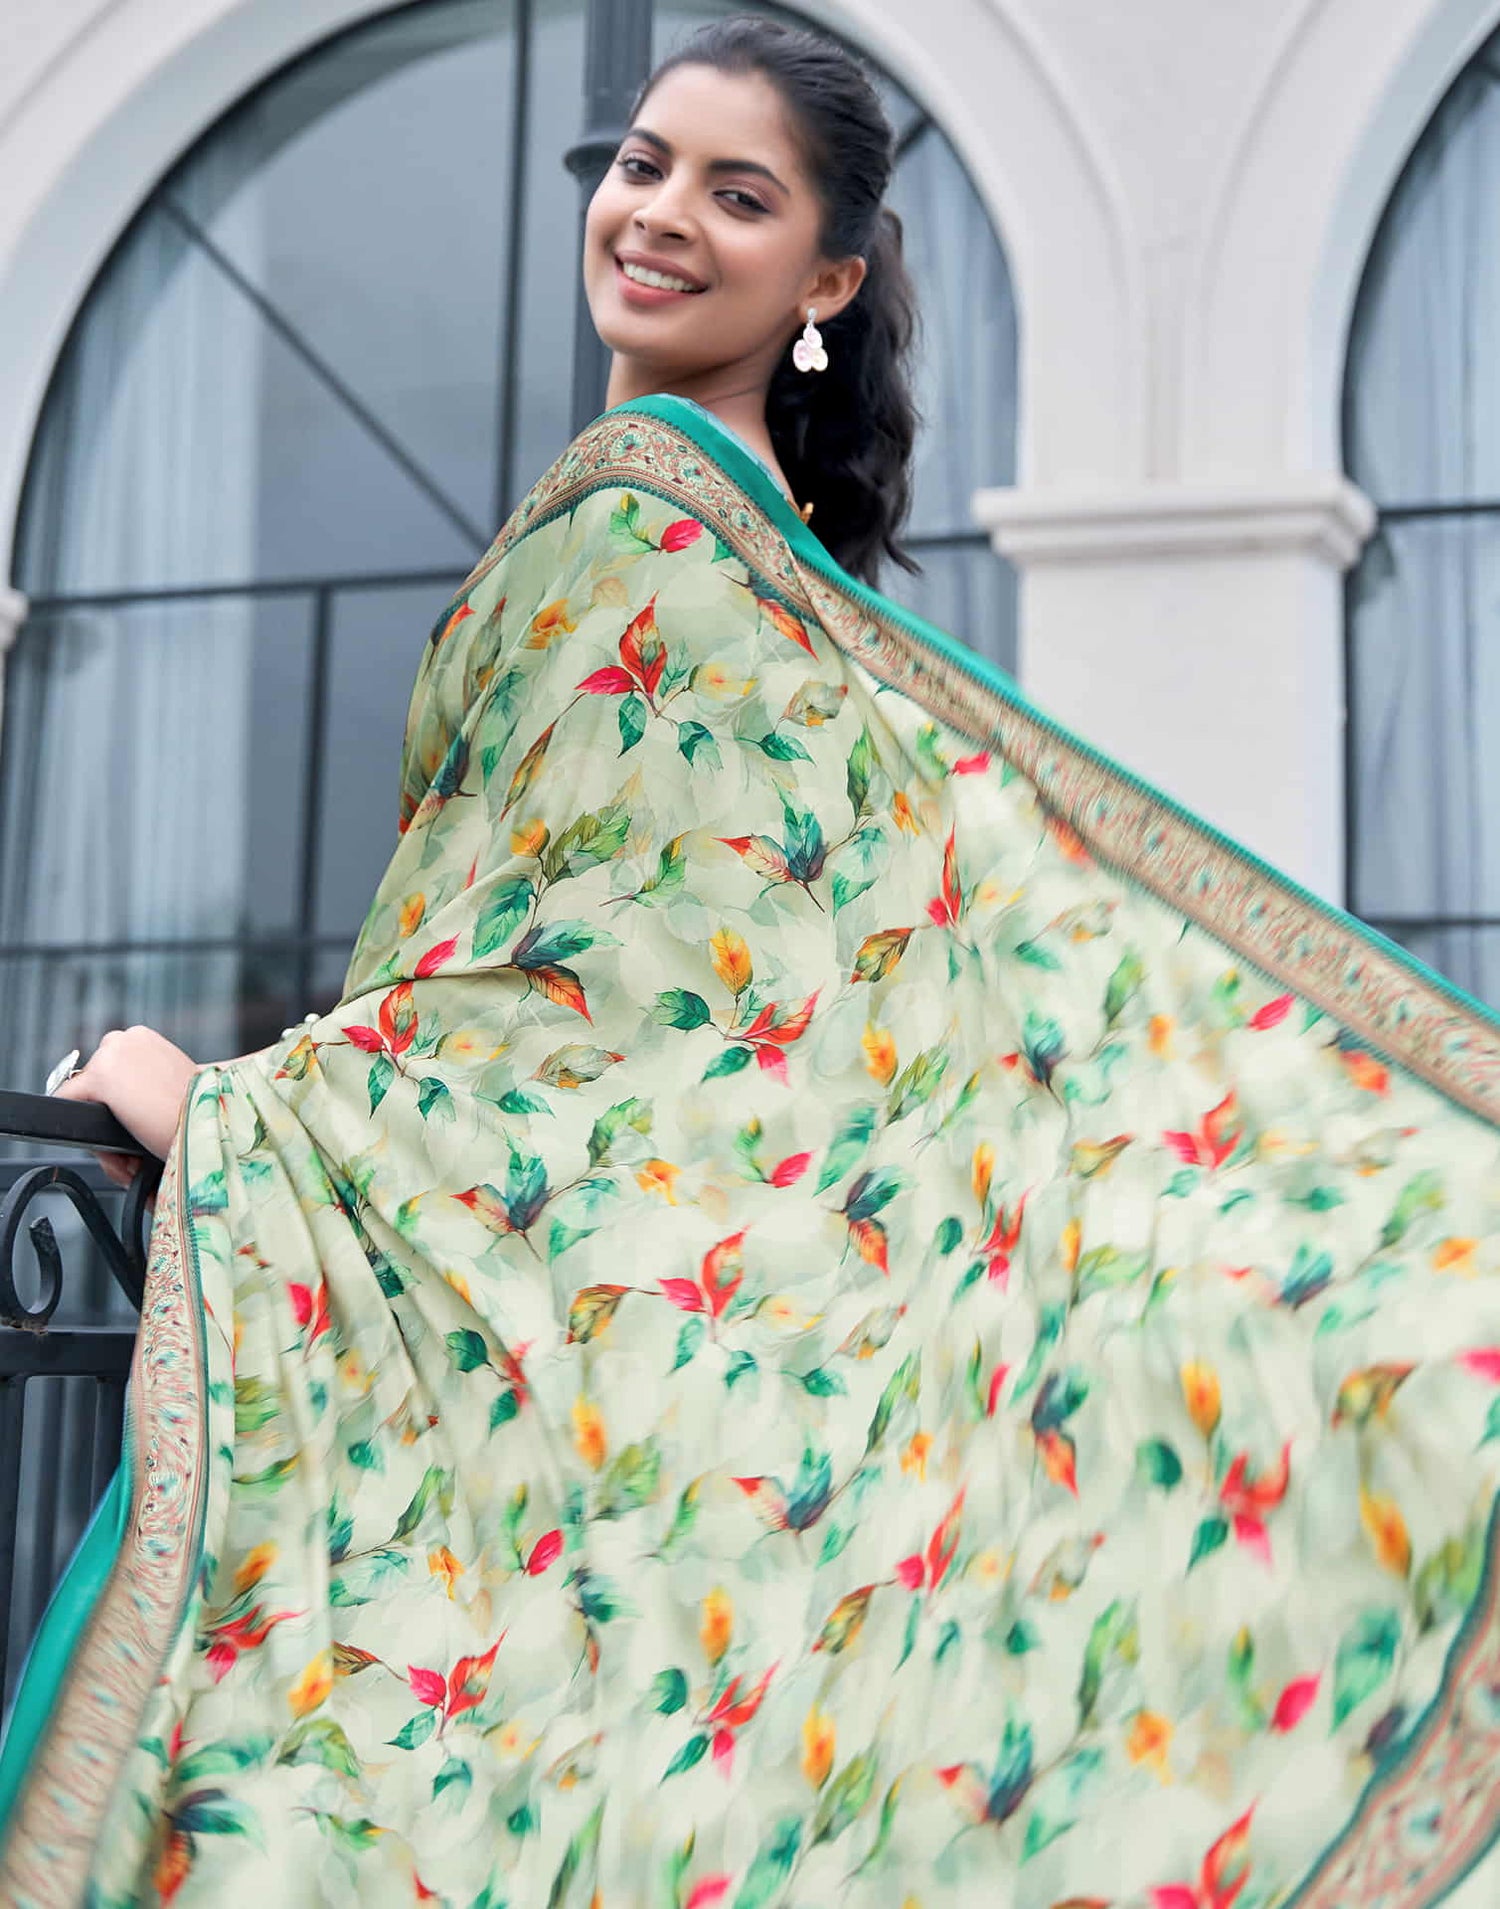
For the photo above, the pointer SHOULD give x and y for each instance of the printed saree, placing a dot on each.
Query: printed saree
(852, 1307)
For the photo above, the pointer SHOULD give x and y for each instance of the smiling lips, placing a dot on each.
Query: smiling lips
(652, 281)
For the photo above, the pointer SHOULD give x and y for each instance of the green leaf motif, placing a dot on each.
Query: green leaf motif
(382, 1073)
(691, 1753)
(772, 1864)
(415, 1731)
(733, 1060)
(467, 1349)
(503, 912)
(1158, 1463)
(1123, 985)
(847, 1145)
(669, 1692)
(1207, 1539)
(1363, 1659)
(689, 1338)
(632, 720)
(696, 741)
(948, 1235)
(503, 1409)
(680, 1007)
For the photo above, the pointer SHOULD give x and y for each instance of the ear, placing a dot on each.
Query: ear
(833, 287)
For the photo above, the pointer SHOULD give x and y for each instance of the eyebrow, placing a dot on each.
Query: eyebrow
(714, 165)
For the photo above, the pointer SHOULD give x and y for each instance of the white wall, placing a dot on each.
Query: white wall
(1186, 189)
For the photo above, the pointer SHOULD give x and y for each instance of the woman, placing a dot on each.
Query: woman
(852, 1306)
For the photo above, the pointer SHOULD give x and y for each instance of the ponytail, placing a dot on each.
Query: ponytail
(843, 436)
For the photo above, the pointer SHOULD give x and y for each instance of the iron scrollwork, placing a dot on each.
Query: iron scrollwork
(71, 1123)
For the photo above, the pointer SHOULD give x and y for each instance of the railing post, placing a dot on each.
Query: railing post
(617, 58)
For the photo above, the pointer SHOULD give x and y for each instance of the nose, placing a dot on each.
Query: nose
(664, 213)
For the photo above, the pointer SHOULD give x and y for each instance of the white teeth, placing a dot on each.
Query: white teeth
(643, 275)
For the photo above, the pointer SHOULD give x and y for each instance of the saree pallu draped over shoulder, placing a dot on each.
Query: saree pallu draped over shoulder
(852, 1307)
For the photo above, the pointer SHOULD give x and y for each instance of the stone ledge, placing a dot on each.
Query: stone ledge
(1321, 516)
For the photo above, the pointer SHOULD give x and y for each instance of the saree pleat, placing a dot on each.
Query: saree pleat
(852, 1306)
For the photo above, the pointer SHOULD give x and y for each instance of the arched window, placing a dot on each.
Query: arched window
(1422, 438)
(330, 353)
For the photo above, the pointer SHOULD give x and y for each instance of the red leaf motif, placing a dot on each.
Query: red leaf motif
(562, 987)
(678, 536)
(787, 1172)
(772, 1061)
(469, 1681)
(1483, 1362)
(609, 681)
(435, 958)
(428, 1685)
(869, 1241)
(912, 1572)
(972, 765)
(997, 1380)
(302, 1301)
(1251, 1532)
(543, 1552)
(722, 1273)
(723, 1748)
(398, 1018)
(1273, 1013)
(367, 1039)
(1174, 1895)
(642, 651)
(1185, 1147)
(1294, 1702)
(683, 1294)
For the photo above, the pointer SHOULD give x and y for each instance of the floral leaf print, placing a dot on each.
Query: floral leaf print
(1364, 1658)
(1386, 1528)
(591, 1310)
(596, 836)
(508, 905)
(1224, 1873)
(879, 953)
(848, 1145)
(1124, 984)
(867, 1196)
(947, 906)
(1056, 1799)
(845, 1621)
(1114, 1637)
(1214, 1139)
(527, 770)
(721, 1275)
(575, 1065)
(696, 744)
(815, 703)
(925, 1570)
(772, 1864)
(786, 624)
(1421, 1194)
(731, 959)
(994, 1796)
(801, 1506)
(1246, 1501)
(681, 1008)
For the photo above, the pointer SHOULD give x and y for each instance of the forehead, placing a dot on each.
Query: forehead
(707, 114)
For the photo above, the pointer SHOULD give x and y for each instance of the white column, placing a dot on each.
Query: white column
(1195, 633)
(13, 608)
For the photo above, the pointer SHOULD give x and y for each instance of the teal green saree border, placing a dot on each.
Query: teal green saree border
(117, 1653)
(67, 1614)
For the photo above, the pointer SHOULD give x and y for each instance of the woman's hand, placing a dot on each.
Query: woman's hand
(142, 1079)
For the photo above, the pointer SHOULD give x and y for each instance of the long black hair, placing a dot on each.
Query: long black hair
(843, 436)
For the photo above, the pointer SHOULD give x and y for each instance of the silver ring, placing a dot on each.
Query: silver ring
(65, 1069)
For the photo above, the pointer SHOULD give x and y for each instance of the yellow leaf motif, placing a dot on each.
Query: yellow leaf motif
(716, 1624)
(1148, 1741)
(880, 1052)
(1072, 1233)
(818, 1739)
(529, 838)
(659, 1176)
(548, 623)
(984, 1166)
(914, 1457)
(1159, 1036)
(313, 1685)
(901, 809)
(256, 1564)
(1200, 1391)
(731, 959)
(589, 1438)
(1387, 1529)
(1455, 1255)
(442, 1564)
(412, 910)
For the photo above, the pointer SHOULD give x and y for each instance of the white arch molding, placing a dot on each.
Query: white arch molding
(130, 85)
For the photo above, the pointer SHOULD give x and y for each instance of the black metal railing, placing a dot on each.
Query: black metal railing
(68, 1314)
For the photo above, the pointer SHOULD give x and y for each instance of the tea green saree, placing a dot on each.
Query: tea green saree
(851, 1307)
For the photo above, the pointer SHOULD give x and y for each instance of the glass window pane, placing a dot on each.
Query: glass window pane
(966, 590)
(1423, 395)
(376, 645)
(1424, 709)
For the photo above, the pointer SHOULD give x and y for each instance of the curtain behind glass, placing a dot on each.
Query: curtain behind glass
(1423, 428)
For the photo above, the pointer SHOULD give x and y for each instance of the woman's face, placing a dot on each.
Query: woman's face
(709, 188)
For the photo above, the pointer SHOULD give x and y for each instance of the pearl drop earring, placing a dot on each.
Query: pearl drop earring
(808, 353)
